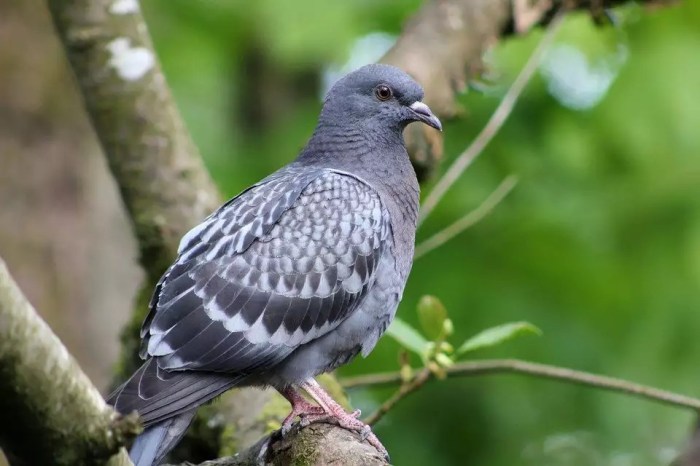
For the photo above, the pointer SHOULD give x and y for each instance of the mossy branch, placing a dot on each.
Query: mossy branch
(160, 175)
(162, 179)
(52, 414)
(315, 445)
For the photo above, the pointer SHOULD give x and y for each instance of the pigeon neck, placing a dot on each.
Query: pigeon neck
(381, 161)
(357, 146)
(348, 133)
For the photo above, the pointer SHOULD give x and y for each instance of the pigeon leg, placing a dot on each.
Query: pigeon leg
(300, 407)
(335, 413)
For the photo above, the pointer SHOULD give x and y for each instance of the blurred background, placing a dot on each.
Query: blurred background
(598, 245)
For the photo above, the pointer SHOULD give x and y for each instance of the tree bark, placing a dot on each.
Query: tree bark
(315, 445)
(443, 47)
(52, 413)
(160, 175)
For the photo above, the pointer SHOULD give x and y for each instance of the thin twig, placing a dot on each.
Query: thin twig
(404, 390)
(494, 124)
(470, 219)
(492, 366)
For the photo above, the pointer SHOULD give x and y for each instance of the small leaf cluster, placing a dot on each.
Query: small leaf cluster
(431, 342)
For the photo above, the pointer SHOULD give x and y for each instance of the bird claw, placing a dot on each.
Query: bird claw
(350, 422)
(306, 417)
(314, 418)
(365, 432)
(368, 436)
(331, 413)
(286, 427)
(308, 420)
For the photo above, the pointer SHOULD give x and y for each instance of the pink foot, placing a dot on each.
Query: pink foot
(335, 414)
(350, 422)
(300, 407)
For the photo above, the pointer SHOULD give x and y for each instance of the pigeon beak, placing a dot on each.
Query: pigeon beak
(424, 114)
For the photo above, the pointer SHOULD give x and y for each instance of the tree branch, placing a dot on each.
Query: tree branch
(500, 115)
(159, 172)
(494, 366)
(315, 445)
(404, 390)
(467, 221)
(162, 180)
(443, 46)
(52, 413)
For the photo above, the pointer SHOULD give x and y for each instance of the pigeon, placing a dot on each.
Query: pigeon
(293, 277)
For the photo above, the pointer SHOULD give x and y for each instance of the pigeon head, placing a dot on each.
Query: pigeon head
(377, 97)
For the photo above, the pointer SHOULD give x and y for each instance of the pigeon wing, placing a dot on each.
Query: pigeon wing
(280, 265)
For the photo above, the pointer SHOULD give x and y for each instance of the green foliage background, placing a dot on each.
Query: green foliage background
(599, 244)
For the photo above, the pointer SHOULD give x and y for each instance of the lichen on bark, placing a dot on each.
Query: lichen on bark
(315, 445)
(53, 414)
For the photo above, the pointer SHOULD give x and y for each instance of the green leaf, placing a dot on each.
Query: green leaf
(496, 335)
(432, 316)
(408, 337)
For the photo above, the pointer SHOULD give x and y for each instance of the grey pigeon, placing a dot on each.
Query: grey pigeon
(293, 277)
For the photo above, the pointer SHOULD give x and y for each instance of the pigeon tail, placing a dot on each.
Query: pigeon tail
(156, 441)
(166, 414)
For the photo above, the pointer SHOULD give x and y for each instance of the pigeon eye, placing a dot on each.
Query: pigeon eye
(383, 92)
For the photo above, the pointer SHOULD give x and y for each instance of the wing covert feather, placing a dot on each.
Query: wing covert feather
(276, 267)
